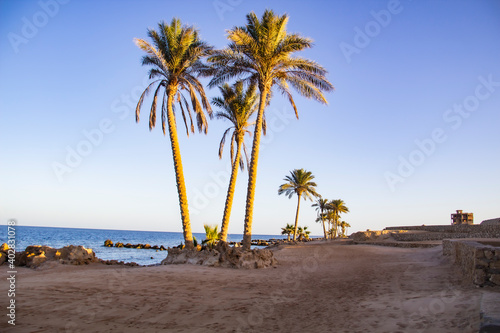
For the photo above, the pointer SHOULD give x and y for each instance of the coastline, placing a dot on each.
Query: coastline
(316, 287)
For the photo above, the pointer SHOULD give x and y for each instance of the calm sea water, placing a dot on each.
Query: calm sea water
(94, 239)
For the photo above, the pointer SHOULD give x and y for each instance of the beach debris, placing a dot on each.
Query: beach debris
(222, 256)
(36, 255)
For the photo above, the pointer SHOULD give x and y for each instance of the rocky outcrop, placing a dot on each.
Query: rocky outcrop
(222, 256)
(36, 255)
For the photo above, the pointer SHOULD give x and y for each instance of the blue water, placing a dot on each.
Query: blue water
(94, 239)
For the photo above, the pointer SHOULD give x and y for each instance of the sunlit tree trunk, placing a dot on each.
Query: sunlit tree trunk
(230, 190)
(297, 218)
(179, 173)
(324, 228)
(252, 172)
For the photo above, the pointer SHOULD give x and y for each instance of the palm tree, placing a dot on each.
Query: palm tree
(344, 225)
(288, 230)
(299, 182)
(321, 206)
(236, 106)
(212, 235)
(303, 233)
(337, 206)
(175, 58)
(261, 52)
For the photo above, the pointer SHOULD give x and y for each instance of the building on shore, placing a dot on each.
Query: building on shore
(462, 218)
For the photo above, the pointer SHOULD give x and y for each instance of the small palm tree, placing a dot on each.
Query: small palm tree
(299, 182)
(288, 230)
(237, 106)
(175, 58)
(337, 207)
(321, 206)
(261, 52)
(212, 235)
(344, 225)
(303, 233)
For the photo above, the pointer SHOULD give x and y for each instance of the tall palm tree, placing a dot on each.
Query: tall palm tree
(299, 182)
(237, 106)
(175, 58)
(321, 206)
(261, 52)
(337, 207)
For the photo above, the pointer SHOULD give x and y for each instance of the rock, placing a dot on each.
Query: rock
(119, 244)
(36, 255)
(108, 243)
(128, 245)
(3, 258)
(495, 278)
(222, 256)
(146, 246)
(495, 265)
(4, 248)
(479, 277)
(162, 248)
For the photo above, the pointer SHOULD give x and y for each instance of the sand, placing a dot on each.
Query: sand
(317, 287)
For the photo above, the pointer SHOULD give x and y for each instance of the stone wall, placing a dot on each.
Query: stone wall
(479, 259)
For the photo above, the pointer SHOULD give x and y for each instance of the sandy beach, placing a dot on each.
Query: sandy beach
(317, 287)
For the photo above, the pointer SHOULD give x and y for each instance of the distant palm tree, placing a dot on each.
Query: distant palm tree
(288, 230)
(344, 225)
(261, 53)
(321, 206)
(337, 207)
(303, 233)
(175, 57)
(299, 182)
(212, 235)
(237, 106)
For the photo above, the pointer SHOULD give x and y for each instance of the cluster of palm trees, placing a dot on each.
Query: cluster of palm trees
(300, 182)
(302, 232)
(329, 211)
(259, 58)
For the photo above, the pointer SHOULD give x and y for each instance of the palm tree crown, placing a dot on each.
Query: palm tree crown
(175, 59)
(261, 53)
(237, 106)
(299, 182)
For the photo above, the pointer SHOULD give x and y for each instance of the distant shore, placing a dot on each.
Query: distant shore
(316, 287)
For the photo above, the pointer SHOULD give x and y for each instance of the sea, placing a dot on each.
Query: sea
(94, 239)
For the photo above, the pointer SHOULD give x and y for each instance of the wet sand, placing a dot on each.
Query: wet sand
(317, 287)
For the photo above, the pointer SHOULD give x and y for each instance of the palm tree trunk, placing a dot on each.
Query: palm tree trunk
(230, 191)
(252, 172)
(297, 218)
(324, 228)
(179, 173)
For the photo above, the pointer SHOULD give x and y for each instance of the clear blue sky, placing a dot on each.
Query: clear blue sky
(410, 134)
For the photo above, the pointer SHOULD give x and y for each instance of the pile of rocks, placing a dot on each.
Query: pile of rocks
(109, 243)
(36, 255)
(222, 256)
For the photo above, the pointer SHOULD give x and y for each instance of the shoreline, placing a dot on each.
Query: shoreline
(316, 287)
